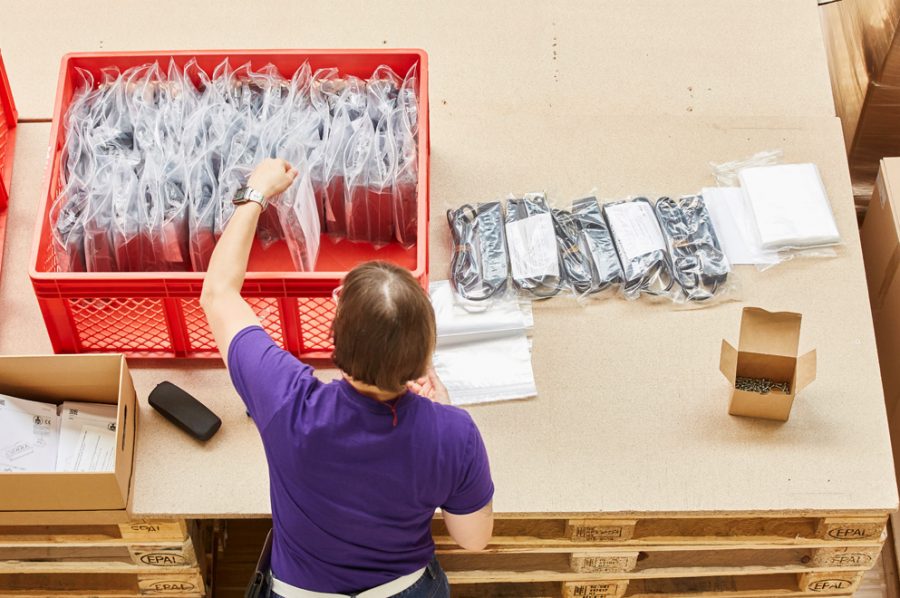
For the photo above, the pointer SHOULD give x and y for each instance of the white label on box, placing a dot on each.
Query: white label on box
(532, 247)
(635, 228)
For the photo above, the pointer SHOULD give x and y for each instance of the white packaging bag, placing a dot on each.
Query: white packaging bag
(482, 356)
(734, 227)
(790, 206)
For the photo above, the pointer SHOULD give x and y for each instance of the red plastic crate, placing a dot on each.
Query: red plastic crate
(8, 118)
(158, 314)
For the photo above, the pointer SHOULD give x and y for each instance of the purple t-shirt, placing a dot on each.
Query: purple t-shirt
(354, 483)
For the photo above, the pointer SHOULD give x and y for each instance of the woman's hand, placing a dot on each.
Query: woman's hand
(430, 387)
(271, 177)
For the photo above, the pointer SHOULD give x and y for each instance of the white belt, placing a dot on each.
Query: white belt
(385, 590)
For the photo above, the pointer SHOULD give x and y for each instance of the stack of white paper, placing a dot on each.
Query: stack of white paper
(43, 437)
(482, 356)
(29, 434)
(87, 438)
(789, 206)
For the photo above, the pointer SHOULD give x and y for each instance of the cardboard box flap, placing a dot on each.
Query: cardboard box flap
(765, 332)
(806, 371)
(94, 378)
(728, 361)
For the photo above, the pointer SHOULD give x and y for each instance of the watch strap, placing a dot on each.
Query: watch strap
(247, 194)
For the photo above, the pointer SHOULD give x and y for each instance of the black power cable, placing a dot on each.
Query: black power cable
(543, 286)
(597, 243)
(574, 260)
(648, 272)
(699, 264)
(479, 266)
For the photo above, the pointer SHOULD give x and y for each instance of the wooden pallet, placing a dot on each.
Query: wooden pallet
(721, 531)
(135, 558)
(756, 586)
(108, 585)
(149, 544)
(658, 562)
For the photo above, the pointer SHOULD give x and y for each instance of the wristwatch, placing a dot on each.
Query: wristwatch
(246, 194)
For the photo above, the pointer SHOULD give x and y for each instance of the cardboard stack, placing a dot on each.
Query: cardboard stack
(864, 60)
(880, 237)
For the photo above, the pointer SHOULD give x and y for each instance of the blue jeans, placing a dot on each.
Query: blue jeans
(432, 584)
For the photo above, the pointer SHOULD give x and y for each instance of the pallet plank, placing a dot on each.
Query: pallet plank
(830, 583)
(852, 528)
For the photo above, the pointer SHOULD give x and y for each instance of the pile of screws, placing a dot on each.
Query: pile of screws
(761, 385)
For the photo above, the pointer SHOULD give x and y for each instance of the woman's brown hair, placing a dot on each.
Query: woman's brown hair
(384, 328)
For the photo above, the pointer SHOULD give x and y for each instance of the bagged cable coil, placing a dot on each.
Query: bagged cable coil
(178, 143)
(479, 263)
(698, 262)
(533, 255)
(641, 246)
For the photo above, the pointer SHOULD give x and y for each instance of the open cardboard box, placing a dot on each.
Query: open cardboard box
(767, 348)
(54, 379)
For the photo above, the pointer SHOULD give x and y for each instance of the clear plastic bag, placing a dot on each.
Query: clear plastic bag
(408, 100)
(531, 238)
(790, 207)
(296, 210)
(596, 242)
(574, 262)
(202, 188)
(177, 143)
(380, 189)
(726, 173)
(334, 173)
(382, 89)
(406, 180)
(128, 219)
(479, 263)
(174, 228)
(99, 250)
(67, 222)
(151, 216)
(789, 210)
(699, 265)
(641, 247)
(66, 213)
(357, 156)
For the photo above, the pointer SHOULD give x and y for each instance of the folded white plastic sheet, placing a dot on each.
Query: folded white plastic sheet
(483, 356)
(789, 206)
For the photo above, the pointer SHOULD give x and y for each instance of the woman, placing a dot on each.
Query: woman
(357, 466)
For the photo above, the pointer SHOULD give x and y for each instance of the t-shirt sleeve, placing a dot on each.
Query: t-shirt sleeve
(266, 376)
(474, 489)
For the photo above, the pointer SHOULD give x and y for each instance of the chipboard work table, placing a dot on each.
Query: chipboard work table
(608, 434)
(632, 413)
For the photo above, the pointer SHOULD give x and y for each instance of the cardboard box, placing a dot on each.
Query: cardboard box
(877, 136)
(767, 348)
(859, 35)
(880, 240)
(858, 38)
(880, 232)
(54, 379)
(864, 61)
